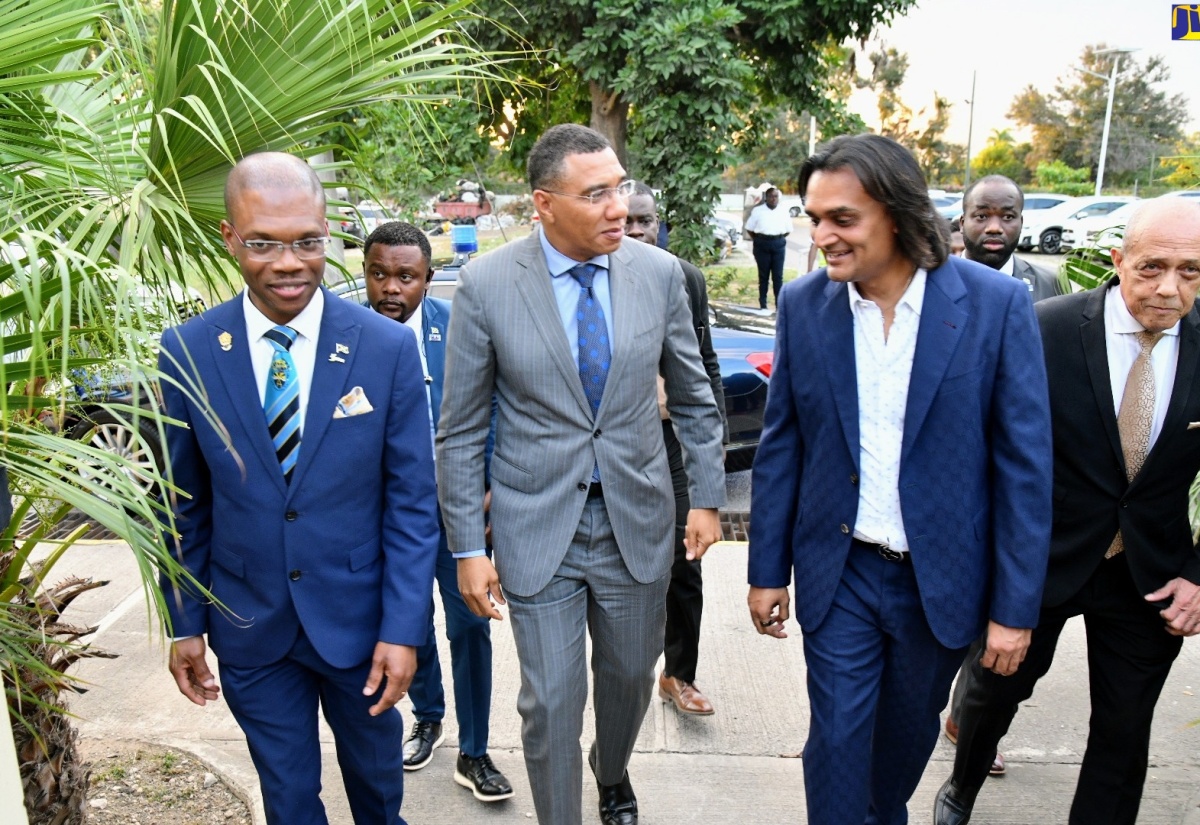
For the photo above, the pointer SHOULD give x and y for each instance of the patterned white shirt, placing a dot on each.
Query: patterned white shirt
(883, 368)
(1120, 339)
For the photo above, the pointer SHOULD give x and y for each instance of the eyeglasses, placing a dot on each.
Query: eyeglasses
(624, 192)
(306, 249)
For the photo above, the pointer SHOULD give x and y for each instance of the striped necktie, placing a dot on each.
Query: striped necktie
(282, 400)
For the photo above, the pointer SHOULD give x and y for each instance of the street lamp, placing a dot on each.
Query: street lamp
(1112, 87)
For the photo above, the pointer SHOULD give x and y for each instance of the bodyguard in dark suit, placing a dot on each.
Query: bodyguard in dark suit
(685, 594)
(903, 477)
(1123, 362)
(991, 227)
(397, 269)
(306, 505)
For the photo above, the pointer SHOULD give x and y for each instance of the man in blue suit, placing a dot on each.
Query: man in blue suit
(306, 506)
(397, 269)
(903, 476)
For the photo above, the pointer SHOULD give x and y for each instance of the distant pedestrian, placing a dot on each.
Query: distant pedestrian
(768, 228)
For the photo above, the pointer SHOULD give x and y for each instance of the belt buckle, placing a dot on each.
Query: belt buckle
(888, 553)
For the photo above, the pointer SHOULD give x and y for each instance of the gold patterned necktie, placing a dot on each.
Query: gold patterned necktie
(1136, 417)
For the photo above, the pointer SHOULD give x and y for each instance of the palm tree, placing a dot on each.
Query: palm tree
(113, 153)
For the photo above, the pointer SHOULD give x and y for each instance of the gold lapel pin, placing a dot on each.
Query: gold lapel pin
(334, 358)
(341, 349)
(226, 341)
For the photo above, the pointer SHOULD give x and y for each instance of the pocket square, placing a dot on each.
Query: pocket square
(1194, 425)
(353, 403)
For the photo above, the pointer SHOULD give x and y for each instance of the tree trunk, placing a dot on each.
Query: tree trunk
(610, 117)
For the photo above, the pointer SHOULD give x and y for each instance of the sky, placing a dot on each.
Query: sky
(1015, 43)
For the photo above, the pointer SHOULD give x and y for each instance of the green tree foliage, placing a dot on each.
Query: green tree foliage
(1060, 178)
(1000, 156)
(1067, 123)
(1184, 165)
(682, 74)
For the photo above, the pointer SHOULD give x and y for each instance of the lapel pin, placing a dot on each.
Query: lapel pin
(435, 334)
(341, 349)
(334, 358)
(226, 341)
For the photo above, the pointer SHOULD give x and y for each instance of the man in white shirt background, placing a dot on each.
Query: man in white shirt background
(768, 227)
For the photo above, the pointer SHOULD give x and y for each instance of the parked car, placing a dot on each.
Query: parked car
(730, 227)
(1043, 229)
(744, 350)
(1097, 232)
(1190, 194)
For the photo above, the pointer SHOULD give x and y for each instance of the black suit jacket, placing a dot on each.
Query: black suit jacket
(1092, 497)
(1042, 283)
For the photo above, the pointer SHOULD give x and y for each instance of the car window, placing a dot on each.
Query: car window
(1041, 203)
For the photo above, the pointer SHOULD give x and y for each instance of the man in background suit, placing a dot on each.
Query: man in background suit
(397, 269)
(991, 227)
(685, 595)
(1123, 362)
(307, 505)
(903, 475)
(569, 330)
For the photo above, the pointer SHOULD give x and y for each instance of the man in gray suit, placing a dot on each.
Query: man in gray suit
(991, 227)
(569, 329)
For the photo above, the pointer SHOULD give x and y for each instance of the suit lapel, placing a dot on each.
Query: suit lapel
(533, 282)
(624, 297)
(433, 330)
(837, 325)
(1095, 355)
(1185, 377)
(940, 329)
(328, 379)
(228, 328)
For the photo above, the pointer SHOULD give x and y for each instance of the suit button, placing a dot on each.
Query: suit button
(294, 575)
(854, 478)
(845, 529)
(581, 487)
(596, 434)
(1124, 504)
(291, 515)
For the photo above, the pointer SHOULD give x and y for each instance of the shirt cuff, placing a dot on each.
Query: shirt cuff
(469, 554)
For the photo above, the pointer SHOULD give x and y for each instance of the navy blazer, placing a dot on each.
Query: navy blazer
(435, 317)
(347, 549)
(975, 466)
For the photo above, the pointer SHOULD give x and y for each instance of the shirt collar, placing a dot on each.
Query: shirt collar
(307, 323)
(913, 297)
(560, 264)
(1118, 318)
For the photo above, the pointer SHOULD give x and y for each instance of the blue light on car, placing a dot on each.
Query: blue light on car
(463, 240)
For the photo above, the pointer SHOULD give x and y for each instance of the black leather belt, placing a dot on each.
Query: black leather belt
(883, 550)
(758, 235)
(595, 490)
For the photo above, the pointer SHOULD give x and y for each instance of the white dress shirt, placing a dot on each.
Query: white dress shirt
(1120, 339)
(883, 368)
(767, 221)
(414, 323)
(304, 350)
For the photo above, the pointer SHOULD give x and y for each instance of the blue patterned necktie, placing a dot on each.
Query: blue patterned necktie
(594, 352)
(282, 400)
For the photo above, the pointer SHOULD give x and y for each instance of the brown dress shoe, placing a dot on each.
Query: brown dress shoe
(952, 731)
(685, 695)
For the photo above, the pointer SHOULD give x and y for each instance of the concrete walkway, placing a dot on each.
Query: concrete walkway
(740, 766)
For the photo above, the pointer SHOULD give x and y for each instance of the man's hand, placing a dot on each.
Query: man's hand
(480, 587)
(1182, 615)
(398, 663)
(1005, 649)
(190, 669)
(703, 529)
(769, 610)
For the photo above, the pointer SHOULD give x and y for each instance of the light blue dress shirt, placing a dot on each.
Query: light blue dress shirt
(566, 291)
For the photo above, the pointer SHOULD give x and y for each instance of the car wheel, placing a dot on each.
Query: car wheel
(1051, 242)
(795, 211)
(136, 441)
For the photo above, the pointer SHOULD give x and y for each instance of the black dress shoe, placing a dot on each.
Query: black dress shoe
(481, 776)
(952, 807)
(618, 805)
(418, 747)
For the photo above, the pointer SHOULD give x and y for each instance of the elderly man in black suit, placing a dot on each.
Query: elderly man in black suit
(1122, 360)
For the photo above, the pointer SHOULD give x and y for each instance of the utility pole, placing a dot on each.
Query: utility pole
(970, 129)
(1112, 88)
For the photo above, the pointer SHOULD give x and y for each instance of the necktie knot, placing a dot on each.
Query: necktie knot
(1148, 339)
(281, 337)
(584, 274)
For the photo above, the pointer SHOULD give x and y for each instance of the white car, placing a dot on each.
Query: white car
(1097, 232)
(1190, 194)
(1043, 229)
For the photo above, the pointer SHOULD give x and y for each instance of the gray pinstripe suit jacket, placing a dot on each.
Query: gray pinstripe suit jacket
(506, 338)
